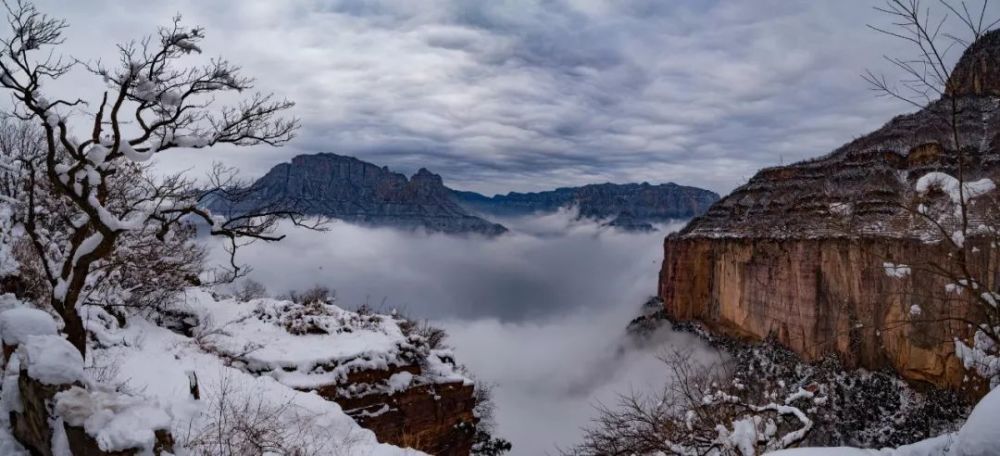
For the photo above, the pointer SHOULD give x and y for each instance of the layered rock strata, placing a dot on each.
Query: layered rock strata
(799, 253)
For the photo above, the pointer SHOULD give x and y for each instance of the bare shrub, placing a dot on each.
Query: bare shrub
(145, 272)
(317, 293)
(702, 409)
(301, 319)
(240, 421)
(433, 336)
(249, 290)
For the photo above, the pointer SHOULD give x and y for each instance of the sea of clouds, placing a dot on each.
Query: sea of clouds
(538, 313)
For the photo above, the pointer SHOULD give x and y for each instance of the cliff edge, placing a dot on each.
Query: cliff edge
(798, 252)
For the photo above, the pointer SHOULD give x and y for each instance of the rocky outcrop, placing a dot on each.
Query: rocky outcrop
(978, 71)
(389, 374)
(350, 189)
(626, 206)
(434, 417)
(798, 252)
(30, 426)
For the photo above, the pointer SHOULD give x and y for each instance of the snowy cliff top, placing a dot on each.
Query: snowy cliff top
(307, 346)
(161, 364)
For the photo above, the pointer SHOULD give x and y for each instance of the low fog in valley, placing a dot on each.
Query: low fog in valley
(540, 312)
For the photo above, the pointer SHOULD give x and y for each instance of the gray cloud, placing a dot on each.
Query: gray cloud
(532, 94)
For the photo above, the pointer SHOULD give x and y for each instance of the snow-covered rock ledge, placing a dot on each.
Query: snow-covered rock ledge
(389, 374)
(317, 375)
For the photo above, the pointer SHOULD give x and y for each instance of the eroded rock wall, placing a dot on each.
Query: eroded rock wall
(436, 418)
(819, 296)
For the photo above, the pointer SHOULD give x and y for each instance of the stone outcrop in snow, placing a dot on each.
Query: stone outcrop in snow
(381, 369)
(434, 416)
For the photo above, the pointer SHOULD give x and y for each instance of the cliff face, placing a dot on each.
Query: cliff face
(798, 252)
(436, 418)
(350, 189)
(629, 206)
(820, 296)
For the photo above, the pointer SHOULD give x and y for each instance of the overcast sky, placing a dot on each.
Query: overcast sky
(534, 94)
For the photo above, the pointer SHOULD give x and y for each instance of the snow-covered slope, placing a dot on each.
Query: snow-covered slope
(159, 367)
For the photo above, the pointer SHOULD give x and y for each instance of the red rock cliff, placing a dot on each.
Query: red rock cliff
(818, 296)
(773, 259)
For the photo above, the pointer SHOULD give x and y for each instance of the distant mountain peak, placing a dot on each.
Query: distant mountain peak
(978, 71)
(347, 188)
(428, 178)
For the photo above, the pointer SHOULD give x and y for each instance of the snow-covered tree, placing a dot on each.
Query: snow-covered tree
(703, 410)
(89, 178)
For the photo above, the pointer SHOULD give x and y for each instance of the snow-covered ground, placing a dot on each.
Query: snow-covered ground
(155, 366)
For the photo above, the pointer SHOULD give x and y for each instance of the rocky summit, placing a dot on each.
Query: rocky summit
(349, 189)
(624, 206)
(797, 253)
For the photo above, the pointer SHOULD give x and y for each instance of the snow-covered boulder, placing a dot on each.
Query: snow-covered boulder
(18, 323)
(110, 421)
(45, 365)
(51, 360)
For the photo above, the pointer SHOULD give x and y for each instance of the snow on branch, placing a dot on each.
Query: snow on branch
(95, 190)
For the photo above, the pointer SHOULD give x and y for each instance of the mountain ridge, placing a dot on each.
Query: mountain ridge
(628, 206)
(351, 189)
